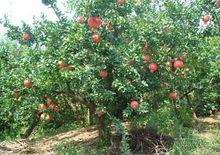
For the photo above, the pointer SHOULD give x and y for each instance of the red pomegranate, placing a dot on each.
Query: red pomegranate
(146, 58)
(95, 22)
(27, 83)
(42, 107)
(79, 20)
(152, 67)
(134, 104)
(61, 64)
(120, 2)
(172, 95)
(103, 74)
(95, 38)
(178, 64)
(206, 18)
(25, 36)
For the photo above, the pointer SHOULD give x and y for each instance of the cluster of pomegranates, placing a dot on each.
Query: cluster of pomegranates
(96, 22)
(62, 65)
(50, 105)
(153, 67)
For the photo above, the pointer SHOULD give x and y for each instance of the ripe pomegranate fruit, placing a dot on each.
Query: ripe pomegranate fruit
(61, 64)
(120, 2)
(96, 38)
(178, 64)
(94, 22)
(25, 36)
(42, 107)
(103, 74)
(27, 83)
(146, 58)
(134, 104)
(79, 20)
(153, 67)
(172, 95)
(206, 19)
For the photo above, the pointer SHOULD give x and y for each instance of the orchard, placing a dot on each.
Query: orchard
(153, 64)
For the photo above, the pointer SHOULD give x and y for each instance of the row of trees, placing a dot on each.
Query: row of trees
(118, 59)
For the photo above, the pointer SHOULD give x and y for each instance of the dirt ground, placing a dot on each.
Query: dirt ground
(45, 146)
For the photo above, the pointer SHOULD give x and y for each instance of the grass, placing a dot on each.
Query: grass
(73, 149)
(192, 142)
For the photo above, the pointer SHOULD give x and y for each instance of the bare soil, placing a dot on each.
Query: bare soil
(45, 146)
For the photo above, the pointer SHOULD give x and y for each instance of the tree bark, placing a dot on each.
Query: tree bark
(33, 124)
(91, 114)
(103, 129)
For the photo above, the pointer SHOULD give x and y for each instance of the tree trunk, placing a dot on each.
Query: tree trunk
(91, 114)
(103, 129)
(33, 124)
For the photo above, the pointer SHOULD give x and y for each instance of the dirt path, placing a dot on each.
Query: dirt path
(45, 146)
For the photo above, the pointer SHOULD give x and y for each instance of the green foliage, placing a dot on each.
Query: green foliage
(125, 149)
(170, 32)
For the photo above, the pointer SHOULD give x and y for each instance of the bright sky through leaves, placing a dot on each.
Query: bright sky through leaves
(18, 10)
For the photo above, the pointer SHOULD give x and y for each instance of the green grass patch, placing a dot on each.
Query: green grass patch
(76, 149)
